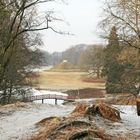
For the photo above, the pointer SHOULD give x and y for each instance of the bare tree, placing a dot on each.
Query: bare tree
(92, 59)
(20, 23)
(125, 15)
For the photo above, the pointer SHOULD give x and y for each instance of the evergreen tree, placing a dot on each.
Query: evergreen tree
(112, 69)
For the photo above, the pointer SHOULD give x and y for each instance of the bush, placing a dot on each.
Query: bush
(113, 88)
(120, 88)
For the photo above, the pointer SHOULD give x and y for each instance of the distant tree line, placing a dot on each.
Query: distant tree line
(81, 56)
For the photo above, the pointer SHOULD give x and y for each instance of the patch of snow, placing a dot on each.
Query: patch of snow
(21, 124)
(129, 116)
(45, 92)
(40, 69)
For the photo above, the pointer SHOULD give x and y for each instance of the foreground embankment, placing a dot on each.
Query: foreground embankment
(19, 121)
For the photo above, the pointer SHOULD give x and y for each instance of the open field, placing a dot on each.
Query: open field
(65, 81)
(78, 85)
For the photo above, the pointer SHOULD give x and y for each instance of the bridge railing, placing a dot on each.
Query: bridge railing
(47, 96)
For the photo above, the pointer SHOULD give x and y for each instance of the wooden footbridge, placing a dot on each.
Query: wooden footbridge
(49, 96)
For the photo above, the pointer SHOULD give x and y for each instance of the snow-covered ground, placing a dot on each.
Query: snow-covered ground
(129, 117)
(43, 68)
(39, 69)
(21, 122)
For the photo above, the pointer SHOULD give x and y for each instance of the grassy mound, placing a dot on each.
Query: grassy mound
(77, 126)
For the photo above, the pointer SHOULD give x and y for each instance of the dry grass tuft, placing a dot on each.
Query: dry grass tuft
(107, 111)
(46, 128)
(102, 109)
(46, 120)
(15, 105)
(79, 110)
(77, 125)
(123, 99)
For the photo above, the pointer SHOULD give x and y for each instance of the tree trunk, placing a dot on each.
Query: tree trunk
(9, 95)
(138, 105)
(98, 73)
(3, 99)
(138, 97)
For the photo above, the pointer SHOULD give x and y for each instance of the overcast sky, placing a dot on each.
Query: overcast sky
(82, 16)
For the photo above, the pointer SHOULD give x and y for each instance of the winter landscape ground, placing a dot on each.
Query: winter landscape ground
(17, 121)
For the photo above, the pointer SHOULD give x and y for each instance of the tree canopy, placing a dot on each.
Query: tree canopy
(19, 26)
(123, 16)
